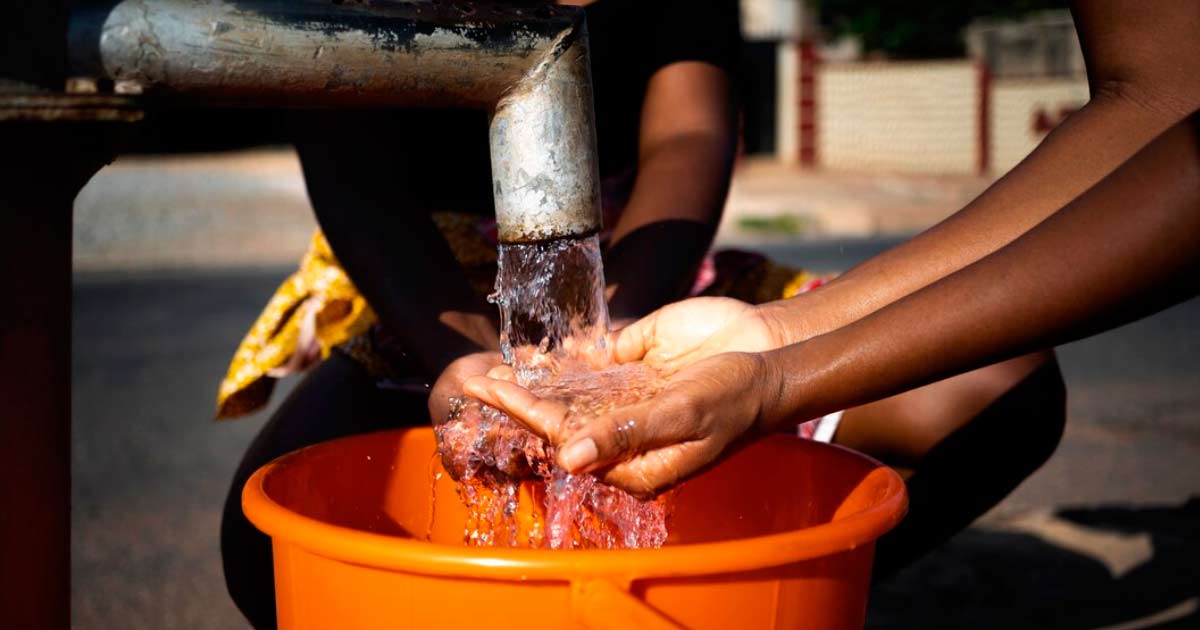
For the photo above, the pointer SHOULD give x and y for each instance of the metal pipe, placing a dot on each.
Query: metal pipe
(545, 174)
(528, 66)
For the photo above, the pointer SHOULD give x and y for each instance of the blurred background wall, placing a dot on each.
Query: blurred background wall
(932, 89)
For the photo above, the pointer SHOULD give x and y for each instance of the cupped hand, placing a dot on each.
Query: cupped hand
(450, 383)
(682, 333)
(653, 444)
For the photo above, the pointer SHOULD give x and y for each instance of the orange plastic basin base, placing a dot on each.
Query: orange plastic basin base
(367, 533)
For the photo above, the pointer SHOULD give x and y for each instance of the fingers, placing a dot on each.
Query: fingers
(654, 471)
(545, 417)
(617, 436)
(635, 340)
(503, 373)
(643, 448)
(604, 440)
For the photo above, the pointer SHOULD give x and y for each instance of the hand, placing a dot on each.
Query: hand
(682, 333)
(653, 444)
(450, 383)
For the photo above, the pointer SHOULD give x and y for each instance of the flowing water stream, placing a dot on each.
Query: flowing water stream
(554, 322)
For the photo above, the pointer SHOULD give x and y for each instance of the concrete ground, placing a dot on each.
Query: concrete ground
(1106, 535)
(211, 211)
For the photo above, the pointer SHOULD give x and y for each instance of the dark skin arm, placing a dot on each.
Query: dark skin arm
(686, 141)
(1144, 69)
(1143, 62)
(1124, 249)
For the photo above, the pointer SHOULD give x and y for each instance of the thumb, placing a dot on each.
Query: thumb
(635, 340)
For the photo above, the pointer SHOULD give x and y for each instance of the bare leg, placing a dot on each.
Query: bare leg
(964, 443)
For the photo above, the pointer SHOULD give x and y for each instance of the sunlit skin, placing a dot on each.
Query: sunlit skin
(1069, 277)
(687, 134)
(986, 284)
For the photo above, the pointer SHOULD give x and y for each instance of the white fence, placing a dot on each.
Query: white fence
(907, 117)
(939, 117)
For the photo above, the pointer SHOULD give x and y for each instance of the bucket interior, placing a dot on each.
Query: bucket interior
(392, 483)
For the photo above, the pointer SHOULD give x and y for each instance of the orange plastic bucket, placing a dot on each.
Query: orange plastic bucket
(367, 533)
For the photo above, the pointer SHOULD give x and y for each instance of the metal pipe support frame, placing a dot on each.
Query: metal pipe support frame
(528, 66)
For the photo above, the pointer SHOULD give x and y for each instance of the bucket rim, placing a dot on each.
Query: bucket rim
(409, 555)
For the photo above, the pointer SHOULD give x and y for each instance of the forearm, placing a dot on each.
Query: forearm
(1086, 147)
(686, 143)
(1124, 249)
(1143, 64)
(668, 225)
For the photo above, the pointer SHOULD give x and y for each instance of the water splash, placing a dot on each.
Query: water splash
(552, 306)
(553, 324)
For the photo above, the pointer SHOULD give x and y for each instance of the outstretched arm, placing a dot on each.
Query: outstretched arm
(1124, 249)
(1143, 62)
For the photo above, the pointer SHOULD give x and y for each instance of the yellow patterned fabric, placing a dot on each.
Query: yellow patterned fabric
(318, 308)
(314, 310)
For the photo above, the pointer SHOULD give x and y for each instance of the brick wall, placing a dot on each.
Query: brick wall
(909, 117)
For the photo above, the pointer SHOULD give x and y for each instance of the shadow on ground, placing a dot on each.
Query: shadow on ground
(1004, 577)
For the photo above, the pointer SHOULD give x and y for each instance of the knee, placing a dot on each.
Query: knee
(1016, 431)
(246, 553)
(1041, 401)
(1024, 426)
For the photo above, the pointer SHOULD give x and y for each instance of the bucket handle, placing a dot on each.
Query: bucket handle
(601, 604)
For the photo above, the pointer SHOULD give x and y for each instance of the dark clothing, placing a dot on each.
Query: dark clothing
(630, 40)
(337, 398)
(1001, 447)
(373, 178)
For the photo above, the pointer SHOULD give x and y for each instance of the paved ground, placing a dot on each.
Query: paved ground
(1103, 536)
(820, 205)
(193, 211)
(151, 470)
(210, 211)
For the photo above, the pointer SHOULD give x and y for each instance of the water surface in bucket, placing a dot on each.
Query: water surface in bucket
(553, 325)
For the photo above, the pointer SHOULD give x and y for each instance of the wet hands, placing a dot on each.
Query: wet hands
(650, 445)
(450, 383)
(679, 334)
(712, 396)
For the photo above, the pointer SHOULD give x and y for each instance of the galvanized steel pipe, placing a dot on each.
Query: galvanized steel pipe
(528, 66)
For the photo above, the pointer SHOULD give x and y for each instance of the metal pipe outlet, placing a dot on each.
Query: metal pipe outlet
(528, 66)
